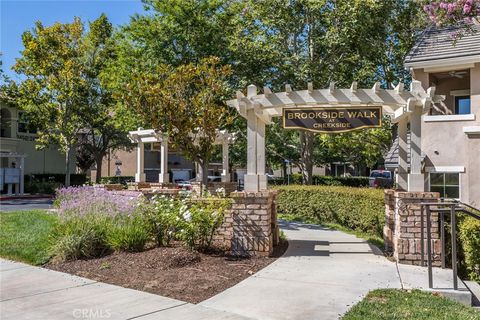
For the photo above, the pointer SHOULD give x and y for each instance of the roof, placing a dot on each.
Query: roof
(437, 44)
(391, 157)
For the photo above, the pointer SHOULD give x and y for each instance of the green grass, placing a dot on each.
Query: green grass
(398, 304)
(370, 238)
(24, 235)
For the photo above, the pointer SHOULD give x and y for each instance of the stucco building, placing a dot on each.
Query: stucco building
(17, 137)
(450, 141)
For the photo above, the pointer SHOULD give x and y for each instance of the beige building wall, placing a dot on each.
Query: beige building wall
(445, 144)
(50, 160)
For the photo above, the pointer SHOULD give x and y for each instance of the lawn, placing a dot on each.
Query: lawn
(24, 235)
(400, 304)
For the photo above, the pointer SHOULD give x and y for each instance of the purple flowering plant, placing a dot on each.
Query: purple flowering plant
(449, 12)
(84, 200)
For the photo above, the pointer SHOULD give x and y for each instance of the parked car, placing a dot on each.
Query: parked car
(380, 179)
(214, 178)
(184, 185)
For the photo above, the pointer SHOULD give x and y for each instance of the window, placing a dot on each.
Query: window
(23, 124)
(447, 184)
(462, 105)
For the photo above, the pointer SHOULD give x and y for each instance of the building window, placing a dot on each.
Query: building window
(23, 124)
(462, 105)
(447, 184)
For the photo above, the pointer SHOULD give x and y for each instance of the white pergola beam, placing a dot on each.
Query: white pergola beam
(258, 109)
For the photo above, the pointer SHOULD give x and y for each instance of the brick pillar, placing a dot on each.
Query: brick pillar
(389, 228)
(402, 230)
(252, 215)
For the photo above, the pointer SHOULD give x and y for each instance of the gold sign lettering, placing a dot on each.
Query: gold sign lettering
(332, 119)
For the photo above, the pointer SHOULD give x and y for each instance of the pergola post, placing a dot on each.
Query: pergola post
(140, 174)
(402, 175)
(416, 178)
(164, 177)
(225, 160)
(251, 178)
(262, 178)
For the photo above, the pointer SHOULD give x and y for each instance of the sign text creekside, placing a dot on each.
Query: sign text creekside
(332, 119)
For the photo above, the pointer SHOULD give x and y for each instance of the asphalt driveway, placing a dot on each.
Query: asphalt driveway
(25, 204)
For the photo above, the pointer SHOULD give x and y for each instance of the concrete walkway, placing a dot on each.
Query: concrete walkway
(34, 293)
(323, 273)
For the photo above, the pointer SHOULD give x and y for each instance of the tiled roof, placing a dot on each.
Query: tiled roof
(437, 43)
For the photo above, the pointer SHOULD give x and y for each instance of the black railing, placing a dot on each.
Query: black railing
(444, 207)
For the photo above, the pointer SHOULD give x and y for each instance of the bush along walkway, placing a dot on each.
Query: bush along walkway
(323, 273)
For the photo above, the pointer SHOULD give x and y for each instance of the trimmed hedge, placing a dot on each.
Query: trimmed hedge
(117, 179)
(46, 183)
(469, 236)
(323, 180)
(76, 179)
(359, 209)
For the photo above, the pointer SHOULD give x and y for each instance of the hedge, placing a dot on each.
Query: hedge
(469, 242)
(323, 180)
(363, 209)
(359, 209)
(117, 179)
(76, 179)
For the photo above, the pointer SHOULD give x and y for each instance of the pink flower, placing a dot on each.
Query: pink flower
(467, 7)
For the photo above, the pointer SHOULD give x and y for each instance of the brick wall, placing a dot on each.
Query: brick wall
(402, 230)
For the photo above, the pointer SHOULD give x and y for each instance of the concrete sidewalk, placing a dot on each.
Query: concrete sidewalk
(34, 293)
(323, 273)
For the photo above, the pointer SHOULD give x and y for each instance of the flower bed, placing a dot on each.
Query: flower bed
(94, 222)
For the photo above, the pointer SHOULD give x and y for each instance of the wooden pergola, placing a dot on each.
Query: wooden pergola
(403, 107)
(142, 136)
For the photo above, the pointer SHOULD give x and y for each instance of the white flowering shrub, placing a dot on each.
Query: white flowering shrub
(162, 216)
(200, 221)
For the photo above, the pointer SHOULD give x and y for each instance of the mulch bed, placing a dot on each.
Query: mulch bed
(174, 272)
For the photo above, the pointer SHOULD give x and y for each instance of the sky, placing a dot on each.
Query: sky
(18, 16)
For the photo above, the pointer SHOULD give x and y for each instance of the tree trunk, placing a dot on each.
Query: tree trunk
(306, 140)
(204, 175)
(284, 170)
(98, 163)
(67, 168)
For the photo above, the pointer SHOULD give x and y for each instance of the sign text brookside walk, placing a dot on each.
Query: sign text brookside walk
(331, 120)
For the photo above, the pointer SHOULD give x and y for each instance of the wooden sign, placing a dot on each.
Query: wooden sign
(332, 119)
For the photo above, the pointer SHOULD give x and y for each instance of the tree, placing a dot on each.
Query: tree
(53, 93)
(361, 148)
(278, 42)
(103, 129)
(62, 93)
(185, 103)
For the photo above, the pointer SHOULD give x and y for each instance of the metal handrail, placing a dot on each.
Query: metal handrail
(444, 207)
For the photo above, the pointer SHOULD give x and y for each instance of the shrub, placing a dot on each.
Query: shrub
(359, 209)
(117, 179)
(128, 233)
(469, 236)
(93, 221)
(46, 187)
(323, 180)
(77, 237)
(201, 220)
(161, 217)
(82, 200)
(76, 179)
